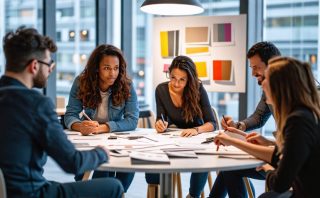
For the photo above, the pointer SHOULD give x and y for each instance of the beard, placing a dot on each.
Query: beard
(40, 81)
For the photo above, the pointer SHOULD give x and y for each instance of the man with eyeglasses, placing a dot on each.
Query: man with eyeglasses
(231, 182)
(30, 130)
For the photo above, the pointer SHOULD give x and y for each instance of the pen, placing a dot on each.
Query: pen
(224, 119)
(224, 131)
(85, 115)
(162, 118)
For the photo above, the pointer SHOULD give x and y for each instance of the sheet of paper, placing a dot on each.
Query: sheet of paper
(149, 158)
(235, 135)
(237, 156)
(223, 150)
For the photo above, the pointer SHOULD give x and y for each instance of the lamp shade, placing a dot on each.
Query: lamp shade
(172, 7)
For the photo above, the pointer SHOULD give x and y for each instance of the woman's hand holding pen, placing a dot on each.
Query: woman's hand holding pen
(222, 139)
(161, 126)
(88, 127)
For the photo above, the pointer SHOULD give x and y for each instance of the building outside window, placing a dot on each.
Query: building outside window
(76, 27)
(16, 13)
(293, 26)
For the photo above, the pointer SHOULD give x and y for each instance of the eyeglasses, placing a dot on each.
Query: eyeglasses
(179, 81)
(48, 64)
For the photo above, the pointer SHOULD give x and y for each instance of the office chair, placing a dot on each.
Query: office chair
(146, 119)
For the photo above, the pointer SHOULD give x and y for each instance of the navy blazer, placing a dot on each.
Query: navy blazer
(29, 132)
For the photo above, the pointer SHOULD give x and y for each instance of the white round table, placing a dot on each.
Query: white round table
(204, 163)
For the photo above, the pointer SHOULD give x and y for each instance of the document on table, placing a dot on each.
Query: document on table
(236, 135)
(181, 154)
(149, 158)
(224, 150)
(237, 156)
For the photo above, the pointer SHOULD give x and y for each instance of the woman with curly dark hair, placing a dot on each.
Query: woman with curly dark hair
(184, 102)
(104, 93)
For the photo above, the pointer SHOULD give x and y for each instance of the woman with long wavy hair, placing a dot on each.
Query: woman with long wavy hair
(294, 161)
(102, 100)
(184, 102)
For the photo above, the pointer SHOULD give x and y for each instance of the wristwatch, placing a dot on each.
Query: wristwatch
(241, 126)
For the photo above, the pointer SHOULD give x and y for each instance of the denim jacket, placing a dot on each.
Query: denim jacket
(121, 118)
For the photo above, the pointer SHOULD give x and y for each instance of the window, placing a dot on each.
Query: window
(84, 35)
(65, 12)
(74, 41)
(293, 27)
(15, 14)
(72, 35)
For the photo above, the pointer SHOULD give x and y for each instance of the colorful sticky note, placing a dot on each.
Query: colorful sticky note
(222, 69)
(169, 42)
(166, 67)
(201, 69)
(197, 35)
(196, 50)
(222, 32)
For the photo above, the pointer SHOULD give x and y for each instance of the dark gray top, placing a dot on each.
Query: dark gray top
(260, 116)
(173, 114)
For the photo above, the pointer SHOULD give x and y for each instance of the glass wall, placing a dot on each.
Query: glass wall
(292, 25)
(75, 36)
(15, 13)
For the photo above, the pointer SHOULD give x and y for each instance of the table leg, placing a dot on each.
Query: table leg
(166, 185)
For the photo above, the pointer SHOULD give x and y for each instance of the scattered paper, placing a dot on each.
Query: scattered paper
(148, 158)
(237, 156)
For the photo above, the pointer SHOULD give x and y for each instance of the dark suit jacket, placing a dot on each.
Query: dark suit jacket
(29, 132)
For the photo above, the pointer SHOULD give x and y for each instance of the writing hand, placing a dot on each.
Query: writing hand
(227, 121)
(88, 127)
(222, 139)
(161, 126)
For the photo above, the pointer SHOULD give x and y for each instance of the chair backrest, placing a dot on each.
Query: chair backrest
(3, 191)
(216, 117)
(146, 119)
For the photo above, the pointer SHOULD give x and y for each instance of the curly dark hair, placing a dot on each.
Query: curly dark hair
(266, 50)
(23, 46)
(89, 91)
(191, 94)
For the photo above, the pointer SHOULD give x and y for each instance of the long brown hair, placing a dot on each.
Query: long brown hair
(89, 92)
(191, 94)
(291, 85)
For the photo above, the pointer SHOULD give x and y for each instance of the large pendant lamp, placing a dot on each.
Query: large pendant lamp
(172, 7)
